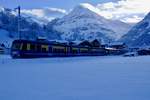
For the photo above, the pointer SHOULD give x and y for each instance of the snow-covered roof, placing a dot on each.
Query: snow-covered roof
(116, 43)
(59, 41)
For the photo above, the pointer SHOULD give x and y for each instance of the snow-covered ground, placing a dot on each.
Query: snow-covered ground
(77, 78)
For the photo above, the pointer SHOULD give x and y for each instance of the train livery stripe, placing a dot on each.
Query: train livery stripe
(74, 48)
(83, 49)
(58, 47)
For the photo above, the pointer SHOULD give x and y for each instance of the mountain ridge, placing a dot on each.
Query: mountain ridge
(84, 21)
(139, 35)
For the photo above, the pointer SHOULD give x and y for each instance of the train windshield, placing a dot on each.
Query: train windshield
(16, 46)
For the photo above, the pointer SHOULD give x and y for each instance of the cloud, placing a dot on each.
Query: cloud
(130, 11)
(46, 13)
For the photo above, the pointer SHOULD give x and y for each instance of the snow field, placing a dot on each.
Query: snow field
(75, 78)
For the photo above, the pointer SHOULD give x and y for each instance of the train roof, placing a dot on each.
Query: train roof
(52, 42)
(84, 43)
(39, 41)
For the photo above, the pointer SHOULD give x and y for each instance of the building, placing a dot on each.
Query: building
(2, 49)
(118, 45)
(96, 43)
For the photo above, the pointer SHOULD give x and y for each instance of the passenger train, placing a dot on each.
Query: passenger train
(33, 49)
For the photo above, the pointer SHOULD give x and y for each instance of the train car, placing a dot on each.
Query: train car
(98, 51)
(32, 49)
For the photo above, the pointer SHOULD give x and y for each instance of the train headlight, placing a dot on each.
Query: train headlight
(14, 52)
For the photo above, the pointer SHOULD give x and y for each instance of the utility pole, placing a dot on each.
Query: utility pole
(19, 17)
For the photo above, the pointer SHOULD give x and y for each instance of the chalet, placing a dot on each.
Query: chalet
(96, 43)
(85, 44)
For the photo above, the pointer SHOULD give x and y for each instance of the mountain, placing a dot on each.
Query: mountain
(43, 15)
(139, 35)
(29, 28)
(85, 22)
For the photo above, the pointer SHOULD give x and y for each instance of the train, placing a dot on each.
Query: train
(44, 48)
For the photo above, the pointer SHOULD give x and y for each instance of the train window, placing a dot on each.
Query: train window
(50, 49)
(62, 50)
(24, 46)
(44, 48)
(28, 46)
(58, 49)
(74, 50)
(66, 50)
(38, 48)
(33, 47)
(84, 50)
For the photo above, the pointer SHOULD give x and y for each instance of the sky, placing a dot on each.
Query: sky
(129, 11)
(64, 4)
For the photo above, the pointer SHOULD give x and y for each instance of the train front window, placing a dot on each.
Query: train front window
(24, 47)
(17, 46)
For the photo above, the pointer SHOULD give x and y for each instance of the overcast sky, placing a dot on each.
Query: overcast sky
(130, 11)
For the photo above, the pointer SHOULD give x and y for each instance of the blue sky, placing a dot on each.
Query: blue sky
(65, 4)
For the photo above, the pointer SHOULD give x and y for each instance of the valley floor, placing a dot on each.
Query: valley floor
(75, 78)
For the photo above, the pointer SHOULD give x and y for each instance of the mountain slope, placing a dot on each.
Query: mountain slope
(139, 35)
(85, 22)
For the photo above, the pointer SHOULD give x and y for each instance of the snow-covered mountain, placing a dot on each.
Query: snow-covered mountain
(139, 35)
(43, 15)
(85, 22)
(29, 28)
